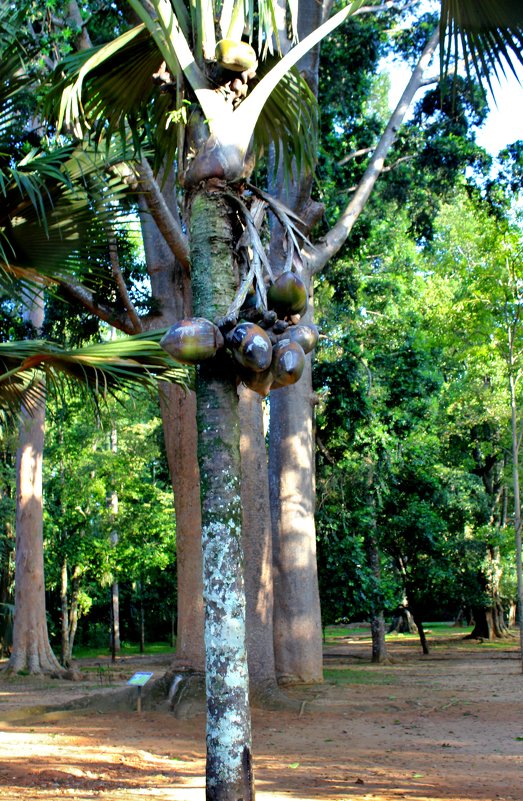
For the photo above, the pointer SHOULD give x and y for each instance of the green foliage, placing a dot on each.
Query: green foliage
(413, 420)
(134, 544)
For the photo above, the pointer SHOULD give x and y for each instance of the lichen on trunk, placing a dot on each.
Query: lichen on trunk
(214, 281)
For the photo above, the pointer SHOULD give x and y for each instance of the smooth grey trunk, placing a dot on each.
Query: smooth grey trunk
(115, 590)
(229, 775)
(31, 648)
(298, 645)
(297, 615)
(69, 611)
(142, 619)
(292, 578)
(257, 545)
(115, 619)
(73, 609)
(64, 615)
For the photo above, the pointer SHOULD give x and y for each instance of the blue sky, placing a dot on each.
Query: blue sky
(505, 121)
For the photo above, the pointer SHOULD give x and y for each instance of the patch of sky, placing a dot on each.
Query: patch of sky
(504, 124)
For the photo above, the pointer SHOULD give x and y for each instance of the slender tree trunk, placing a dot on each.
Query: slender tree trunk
(377, 620)
(64, 614)
(229, 759)
(115, 619)
(31, 648)
(142, 620)
(115, 590)
(298, 643)
(419, 625)
(6, 580)
(515, 483)
(73, 610)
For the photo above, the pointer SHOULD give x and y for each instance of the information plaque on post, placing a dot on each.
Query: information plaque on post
(139, 680)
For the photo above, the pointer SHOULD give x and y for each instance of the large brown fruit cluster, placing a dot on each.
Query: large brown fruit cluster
(268, 346)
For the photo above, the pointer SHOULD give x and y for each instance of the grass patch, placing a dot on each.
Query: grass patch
(127, 649)
(434, 631)
(333, 634)
(358, 676)
(493, 645)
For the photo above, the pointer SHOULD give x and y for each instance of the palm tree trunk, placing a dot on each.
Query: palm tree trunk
(214, 281)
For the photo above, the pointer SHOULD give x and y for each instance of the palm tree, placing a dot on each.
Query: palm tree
(217, 116)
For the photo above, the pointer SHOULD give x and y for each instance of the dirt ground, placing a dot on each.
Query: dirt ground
(447, 726)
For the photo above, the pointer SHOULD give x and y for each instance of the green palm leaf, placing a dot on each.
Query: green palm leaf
(488, 34)
(101, 369)
(110, 91)
(51, 202)
(289, 121)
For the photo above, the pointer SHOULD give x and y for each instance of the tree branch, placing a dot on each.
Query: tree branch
(336, 237)
(354, 155)
(120, 283)
(77, 291)
(168, 226)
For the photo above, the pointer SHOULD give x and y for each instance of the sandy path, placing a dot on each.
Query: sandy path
(447, 726)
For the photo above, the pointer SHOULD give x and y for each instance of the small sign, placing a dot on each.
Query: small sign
(139, 679)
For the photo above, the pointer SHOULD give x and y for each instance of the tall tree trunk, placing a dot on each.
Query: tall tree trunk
(282, 469)
(298, 643)
(73, 609)
(142, 619)
(115, 620)
(418, 622)
(115, 589)
(179, 423)
(6, 580)
(297, 616)
(257, 545)
(31, 648)
(171, 290)
(516, 488)
(377, 620)
(64, 614)
(214, 280)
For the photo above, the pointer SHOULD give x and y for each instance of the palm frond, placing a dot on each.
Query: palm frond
(127, 63)
(100, 369)
(111, 92)
(289, 121)
(51, 205)
(487, 34)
